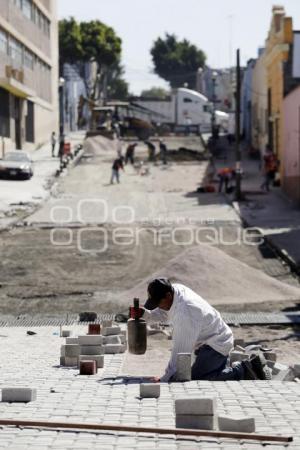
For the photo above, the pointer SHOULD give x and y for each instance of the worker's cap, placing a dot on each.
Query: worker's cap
(157, 290)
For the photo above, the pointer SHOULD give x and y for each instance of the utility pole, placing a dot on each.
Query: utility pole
(238, 191)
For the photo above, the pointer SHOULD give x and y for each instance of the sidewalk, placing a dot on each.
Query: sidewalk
(19, 195)
(276, 216)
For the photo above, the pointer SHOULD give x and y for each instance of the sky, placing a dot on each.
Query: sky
(218, 27)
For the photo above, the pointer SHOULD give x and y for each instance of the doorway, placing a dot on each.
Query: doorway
(18, 123)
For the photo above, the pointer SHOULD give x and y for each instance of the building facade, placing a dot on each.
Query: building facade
(259, 94)
(278, 47)
(28, 73)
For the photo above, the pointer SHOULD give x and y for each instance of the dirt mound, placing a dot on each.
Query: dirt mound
(220, 279)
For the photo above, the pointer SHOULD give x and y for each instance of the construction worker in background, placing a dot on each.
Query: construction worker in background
(270, 167)
(151, 151)
(226, 175)
(198, 328)
(117, 165)
(129, 155)
(163, 151)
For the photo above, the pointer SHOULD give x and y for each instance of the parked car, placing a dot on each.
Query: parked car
(16, 164)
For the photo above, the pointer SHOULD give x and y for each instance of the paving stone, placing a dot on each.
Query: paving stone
(92, 339)
(87, 367)
(91, 350)
(270, 356)
(149, 390)
(236, 356)
(183, 367)
(195, 421)
(296, 368)
(17, 394)
(94, 328)
(66, 333)
(110, 330)
(199, 405)
(114, 339)
(98, 358)
(69, 361)
(238, 424)
(71, 350)
(72, 340)
(114, 348)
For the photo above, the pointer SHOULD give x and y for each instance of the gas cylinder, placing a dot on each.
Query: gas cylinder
(136, 330)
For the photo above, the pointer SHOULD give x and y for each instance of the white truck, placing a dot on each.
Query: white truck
(184, 108)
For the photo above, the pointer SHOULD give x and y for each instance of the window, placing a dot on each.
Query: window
(187, 100)
(28, 59)
(26, 8)
(16, 51)
(4, 113)
(30, 122)
(3, 42)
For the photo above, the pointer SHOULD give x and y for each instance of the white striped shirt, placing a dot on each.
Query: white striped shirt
(195, 323)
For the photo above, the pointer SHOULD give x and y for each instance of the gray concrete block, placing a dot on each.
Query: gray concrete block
(123, 339)
(17, 394)
(110, 349)
(238, 348)
(66, 333)
(71, 350)
(91, 350)
(91, 339)
(279, 367)
(238, 424)
(110, 331)
(114, 339)
(62, 361)
(205, 406)
(197, 422)
(240, 342)
(183, 367)
(149, 390)
(238, 356)
(98, 358)
(71, 361)
(284, 375)
(270, 364)
(72, 340)
(296, 369)
(270, 356)
(106, 323)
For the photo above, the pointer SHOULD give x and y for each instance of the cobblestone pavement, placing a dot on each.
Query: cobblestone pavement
(63, 395)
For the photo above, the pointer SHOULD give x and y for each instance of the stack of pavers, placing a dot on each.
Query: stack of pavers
(114, 339)
(93, 346)
(199, 413)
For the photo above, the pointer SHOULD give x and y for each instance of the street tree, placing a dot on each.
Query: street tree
(155, 92)
(90, 42)
(177, 61)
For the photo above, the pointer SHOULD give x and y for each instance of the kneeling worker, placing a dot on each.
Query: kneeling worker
(199, 328)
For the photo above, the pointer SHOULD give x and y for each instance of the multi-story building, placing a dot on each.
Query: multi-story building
(278, 46)
(259, 104)
(246, 100)
(28, 72)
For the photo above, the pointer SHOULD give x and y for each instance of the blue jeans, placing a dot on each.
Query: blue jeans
(115, 175)
(211, 365)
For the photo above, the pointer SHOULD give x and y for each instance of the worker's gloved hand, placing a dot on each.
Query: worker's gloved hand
(136, 313)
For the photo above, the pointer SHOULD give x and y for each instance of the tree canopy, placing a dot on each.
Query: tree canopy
(93, 42)
(155, 92)
(177, 61)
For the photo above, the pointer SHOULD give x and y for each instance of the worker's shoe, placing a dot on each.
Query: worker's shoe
(260, 368)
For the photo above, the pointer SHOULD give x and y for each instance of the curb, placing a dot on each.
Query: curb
(279, 252)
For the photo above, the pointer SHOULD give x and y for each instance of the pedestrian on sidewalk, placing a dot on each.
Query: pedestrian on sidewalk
(117, 165)
(198, 328)
(225, 176)
(129, 155)
(270, 167)
(53, 143)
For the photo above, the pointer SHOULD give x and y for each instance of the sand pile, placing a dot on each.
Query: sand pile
(219, 278)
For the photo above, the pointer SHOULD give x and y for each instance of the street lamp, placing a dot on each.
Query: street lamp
(61, 105)
(213, 115)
